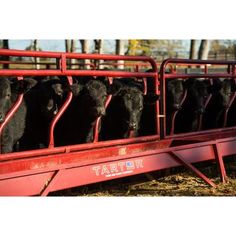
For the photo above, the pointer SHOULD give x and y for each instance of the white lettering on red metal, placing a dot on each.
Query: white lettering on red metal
(96, 169)
(117, 168)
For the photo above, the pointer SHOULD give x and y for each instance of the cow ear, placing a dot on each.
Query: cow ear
(151, 98)
(188, 82)
(216, 86)
(114, 88)
(75, 89)
(138, 85)
(23, 86)
(233, 85)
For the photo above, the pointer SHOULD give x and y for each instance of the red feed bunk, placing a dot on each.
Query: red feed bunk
(39, 172)
(206, 135)
(29, 173)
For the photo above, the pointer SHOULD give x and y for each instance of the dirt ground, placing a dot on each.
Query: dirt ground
(173, 182)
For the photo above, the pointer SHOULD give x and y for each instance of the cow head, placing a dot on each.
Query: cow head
(93, 95)
(222, 90)
(132, 100)
(52, 90)
(198, 91)
(174, 94)
(9, 89)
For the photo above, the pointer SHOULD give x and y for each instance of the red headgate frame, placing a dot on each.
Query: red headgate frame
(8, 174)
(39, 172)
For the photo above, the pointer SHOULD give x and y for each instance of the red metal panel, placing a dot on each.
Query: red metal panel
(25, 185)
(230, 73)
(102, 171)
(41, 171)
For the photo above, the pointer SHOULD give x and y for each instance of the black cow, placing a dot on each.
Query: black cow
(14, 130)
(174, 95)
(77, 123)
(43, 103)
(188, 117)
(215, 110)
(125, 109)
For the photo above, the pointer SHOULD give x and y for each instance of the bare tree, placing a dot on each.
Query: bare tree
(5, 45)
(68, 45)
(204, 49)
(98, 48)
(193, 49)
(85, 49)
(120, 50)
(36, 59)
(73, 49)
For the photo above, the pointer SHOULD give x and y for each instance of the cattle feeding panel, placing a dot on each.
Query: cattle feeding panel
(41, 171)
(227, 71)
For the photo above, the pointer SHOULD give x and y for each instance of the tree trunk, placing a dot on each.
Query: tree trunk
(73, 49)
(68, 45)
(5, 58)
(204, 49)
(36, 59)
(120, 50)
(98, 43)
(193, 49)
(85, 49)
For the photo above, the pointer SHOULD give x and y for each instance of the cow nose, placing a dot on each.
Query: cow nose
(176, 106)
(1, 118)
(201, 110)
(132, 125)
(101, 111)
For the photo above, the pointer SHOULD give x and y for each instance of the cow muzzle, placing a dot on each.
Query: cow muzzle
(133, 126)
(1, 118)
(176, 106)
(201, 110)
(101, 111)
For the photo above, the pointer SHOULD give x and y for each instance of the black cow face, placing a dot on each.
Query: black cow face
(51, 97)
(223, 90)
(175, 93)
(198, 90)
(8, 89)
(132, 103)
(93, 96)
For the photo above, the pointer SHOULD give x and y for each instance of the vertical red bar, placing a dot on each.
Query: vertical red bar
(59, 114)
(96, 127)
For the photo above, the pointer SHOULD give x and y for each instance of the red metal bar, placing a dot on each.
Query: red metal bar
(219, 160)
(59, 114)
(173, 116)
(205, 105)
(178, 157)
(96, 128)
(45, 63)
(11, 112)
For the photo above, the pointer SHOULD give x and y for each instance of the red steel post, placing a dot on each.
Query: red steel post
(59, 114)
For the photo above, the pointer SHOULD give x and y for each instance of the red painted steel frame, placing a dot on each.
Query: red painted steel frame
(64, 71)
(39, 172)
(164, 76)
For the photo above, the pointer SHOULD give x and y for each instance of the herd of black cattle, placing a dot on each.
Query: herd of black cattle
(129, 109)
